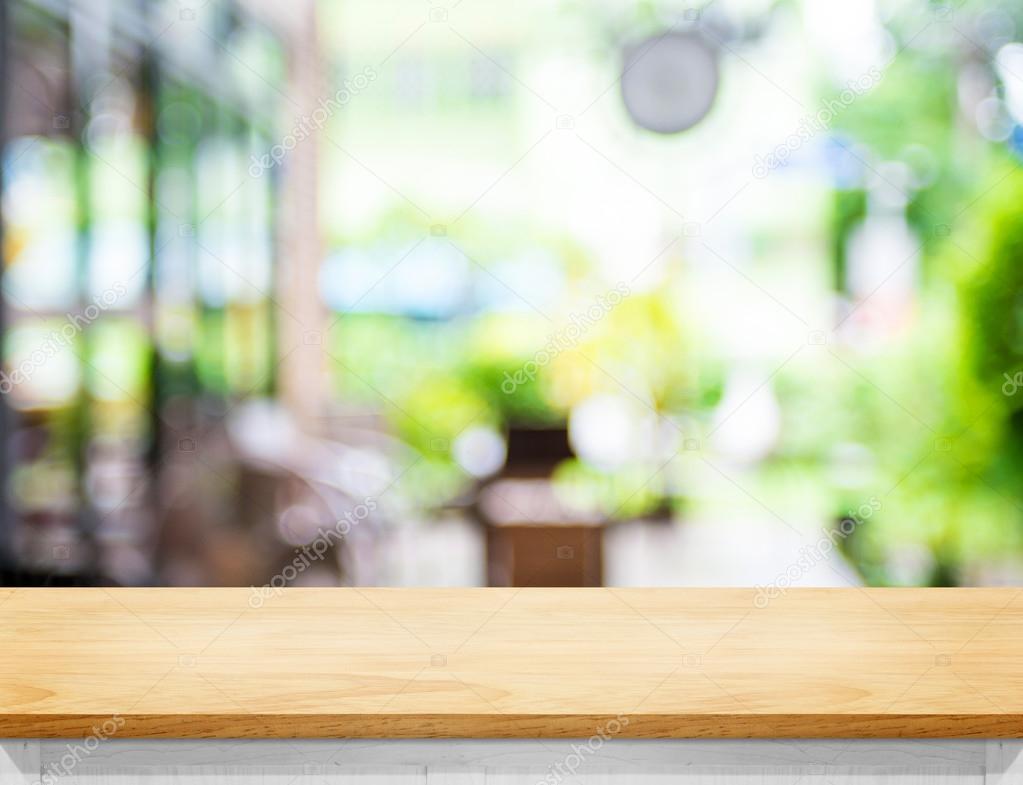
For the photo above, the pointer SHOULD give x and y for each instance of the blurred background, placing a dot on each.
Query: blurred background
(383, 292)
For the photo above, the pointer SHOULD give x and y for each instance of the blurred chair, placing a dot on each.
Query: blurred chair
(532, 538)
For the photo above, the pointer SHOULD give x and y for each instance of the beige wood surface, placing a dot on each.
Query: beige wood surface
(653, 663)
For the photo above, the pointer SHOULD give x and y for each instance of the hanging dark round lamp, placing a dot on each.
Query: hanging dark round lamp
(669, 81)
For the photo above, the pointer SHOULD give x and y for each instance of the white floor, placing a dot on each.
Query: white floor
(748, 548)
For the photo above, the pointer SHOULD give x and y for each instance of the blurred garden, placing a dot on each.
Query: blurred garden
(454, 267)
(837, 330)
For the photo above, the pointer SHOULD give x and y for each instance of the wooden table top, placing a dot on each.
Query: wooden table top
(640, 663)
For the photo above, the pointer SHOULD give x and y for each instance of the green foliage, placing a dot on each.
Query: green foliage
(617, 495)
(992, 296)
(914, 103)
(850, 206)
(948, 470)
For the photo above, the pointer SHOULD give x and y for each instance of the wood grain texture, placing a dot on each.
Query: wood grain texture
(502, 663)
